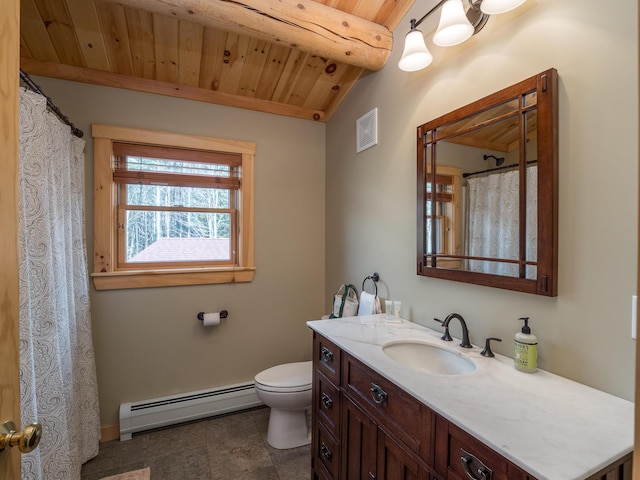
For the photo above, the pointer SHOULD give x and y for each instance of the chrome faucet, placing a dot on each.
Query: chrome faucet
(465, 331)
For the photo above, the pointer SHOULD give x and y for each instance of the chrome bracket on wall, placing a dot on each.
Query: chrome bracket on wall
(475, 16)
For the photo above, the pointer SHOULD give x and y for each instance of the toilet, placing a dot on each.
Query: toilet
(287, 390)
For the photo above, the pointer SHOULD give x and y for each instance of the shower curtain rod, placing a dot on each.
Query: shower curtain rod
(513, 165)
(24, 76)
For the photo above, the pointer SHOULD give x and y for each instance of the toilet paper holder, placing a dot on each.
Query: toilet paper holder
(223, 314)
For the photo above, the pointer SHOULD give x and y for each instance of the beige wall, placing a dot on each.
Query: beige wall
(584, 333)
(148, 342)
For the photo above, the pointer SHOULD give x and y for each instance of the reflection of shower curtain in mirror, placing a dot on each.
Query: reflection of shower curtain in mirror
(492, 221)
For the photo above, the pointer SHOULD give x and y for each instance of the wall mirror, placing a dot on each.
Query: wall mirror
(488, 190)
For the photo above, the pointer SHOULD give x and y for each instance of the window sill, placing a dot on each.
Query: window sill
(168, 278)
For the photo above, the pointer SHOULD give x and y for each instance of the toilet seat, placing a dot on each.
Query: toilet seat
(289, 377)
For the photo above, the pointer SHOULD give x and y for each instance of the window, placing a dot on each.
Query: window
(447, 221)
(171, 209)
(175, 207)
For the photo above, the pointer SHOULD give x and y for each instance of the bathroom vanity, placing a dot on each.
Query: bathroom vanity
(378, 415)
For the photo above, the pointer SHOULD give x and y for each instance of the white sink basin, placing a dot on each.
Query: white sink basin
(429, 358)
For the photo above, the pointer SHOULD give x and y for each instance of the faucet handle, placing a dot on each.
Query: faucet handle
(487, 347)
(446, 336)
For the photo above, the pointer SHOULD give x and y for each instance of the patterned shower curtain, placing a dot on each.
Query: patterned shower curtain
(57, 370)
(492, 221)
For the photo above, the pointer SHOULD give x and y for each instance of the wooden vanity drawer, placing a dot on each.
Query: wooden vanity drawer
(459, 456)
(327, 358)
(400, 413)
(326, 402)
(327, 450)
(321, 473)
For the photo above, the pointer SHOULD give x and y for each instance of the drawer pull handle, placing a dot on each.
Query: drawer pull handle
(378, 394)
(474, 468)
(327, 354)
(484, 473)
(326, 401)
(326, 453)
(372, 476)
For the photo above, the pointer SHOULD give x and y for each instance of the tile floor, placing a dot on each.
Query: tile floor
(230, 447)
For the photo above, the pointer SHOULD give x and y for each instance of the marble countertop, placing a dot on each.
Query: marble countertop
(552, 427)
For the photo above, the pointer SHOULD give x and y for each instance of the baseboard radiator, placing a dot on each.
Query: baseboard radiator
(160, 412)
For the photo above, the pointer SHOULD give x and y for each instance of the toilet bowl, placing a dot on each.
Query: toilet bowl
(287, 390)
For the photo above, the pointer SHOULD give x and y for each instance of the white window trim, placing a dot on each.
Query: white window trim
(105, 276)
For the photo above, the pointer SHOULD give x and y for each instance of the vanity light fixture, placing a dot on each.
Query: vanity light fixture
(496, 7)
(456, 26)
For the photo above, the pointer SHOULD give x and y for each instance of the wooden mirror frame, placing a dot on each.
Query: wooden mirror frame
(544, 85)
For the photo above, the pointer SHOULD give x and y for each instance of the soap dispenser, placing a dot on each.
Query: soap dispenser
(526, 349)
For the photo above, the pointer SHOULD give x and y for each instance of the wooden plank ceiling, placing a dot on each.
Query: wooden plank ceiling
(112, 43)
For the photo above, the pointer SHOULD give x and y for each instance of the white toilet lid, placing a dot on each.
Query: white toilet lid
(286, 377)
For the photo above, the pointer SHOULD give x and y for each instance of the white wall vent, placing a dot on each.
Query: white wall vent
(367, 130)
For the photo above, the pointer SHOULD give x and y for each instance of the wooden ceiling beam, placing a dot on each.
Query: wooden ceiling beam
(97, 77)
(303, 24)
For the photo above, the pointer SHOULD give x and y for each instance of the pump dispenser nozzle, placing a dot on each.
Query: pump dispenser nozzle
(525, 328)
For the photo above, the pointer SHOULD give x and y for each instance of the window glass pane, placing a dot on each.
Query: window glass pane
(502, 137)
(531, 99)
(177, 236)
(177, 166)
(473, 122)
(437, 248)
(169, 196)
(429, 136)
(444, 192)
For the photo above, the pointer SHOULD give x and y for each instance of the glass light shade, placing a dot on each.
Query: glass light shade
(495, 7)
(454, 27)
(416, 55)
